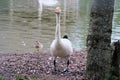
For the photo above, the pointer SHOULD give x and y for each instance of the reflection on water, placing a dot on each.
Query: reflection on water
(116, 22)
(26, 21)
(41, 3)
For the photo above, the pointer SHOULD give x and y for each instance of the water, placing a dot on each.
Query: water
(116, 22)
(26, 21)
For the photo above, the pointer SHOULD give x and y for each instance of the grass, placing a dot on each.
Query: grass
(28, 78)
(23, 78)
(2, 78)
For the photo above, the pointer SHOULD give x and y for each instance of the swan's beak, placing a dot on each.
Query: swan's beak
(58, 10)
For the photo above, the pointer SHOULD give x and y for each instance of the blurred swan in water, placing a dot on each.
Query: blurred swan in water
(46, 3)
(50, 2)
(60, 47)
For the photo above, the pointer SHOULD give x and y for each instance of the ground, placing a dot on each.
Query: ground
(40, 66)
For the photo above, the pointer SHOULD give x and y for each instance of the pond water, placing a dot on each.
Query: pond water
(116, 22)
(25, 21)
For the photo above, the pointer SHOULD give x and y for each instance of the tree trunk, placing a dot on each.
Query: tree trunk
(116, 60)
(99, 39)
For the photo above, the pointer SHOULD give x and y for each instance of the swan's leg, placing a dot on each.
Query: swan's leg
(54, 63)
(68, 62)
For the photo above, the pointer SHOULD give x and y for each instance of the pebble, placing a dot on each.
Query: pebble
(41, 66)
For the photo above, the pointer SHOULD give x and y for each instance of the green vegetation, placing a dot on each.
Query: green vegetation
(2, 78)
(23, 78)
(20, 78)
(113, 77)
(27, 78)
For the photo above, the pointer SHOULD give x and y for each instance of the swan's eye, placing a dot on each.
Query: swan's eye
(58, 10)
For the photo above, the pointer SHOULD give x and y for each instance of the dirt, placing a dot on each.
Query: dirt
(40, 66)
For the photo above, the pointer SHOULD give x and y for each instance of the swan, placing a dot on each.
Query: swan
(60, 47)
(49, 2)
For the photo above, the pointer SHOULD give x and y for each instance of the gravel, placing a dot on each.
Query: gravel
(40, 66)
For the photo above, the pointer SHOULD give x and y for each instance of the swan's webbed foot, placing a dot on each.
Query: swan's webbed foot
(66, 70)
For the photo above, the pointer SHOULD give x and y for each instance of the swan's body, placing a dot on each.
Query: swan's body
(60, 47)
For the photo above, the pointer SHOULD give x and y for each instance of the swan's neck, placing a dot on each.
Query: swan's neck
(57, 33)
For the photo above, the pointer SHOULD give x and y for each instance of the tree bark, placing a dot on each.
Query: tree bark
(116, 60)
(99, 39)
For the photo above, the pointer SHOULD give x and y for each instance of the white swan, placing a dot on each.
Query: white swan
(60, 47)
(49, 2)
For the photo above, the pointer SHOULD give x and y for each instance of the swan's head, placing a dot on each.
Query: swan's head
(58, 10)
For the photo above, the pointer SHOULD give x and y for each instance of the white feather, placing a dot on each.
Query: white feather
(60, 47)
